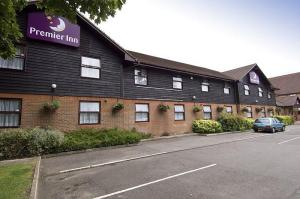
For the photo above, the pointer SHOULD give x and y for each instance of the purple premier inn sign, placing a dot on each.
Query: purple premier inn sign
(254, 79)
(52, 29)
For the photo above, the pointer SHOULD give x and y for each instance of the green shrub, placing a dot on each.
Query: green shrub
(93, 138)
(286, 119)
(206, 126)
(18, 143)
(231, 122)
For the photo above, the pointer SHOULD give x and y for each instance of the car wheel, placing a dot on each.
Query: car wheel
(283, 129)
(273, 130)
(255, 130)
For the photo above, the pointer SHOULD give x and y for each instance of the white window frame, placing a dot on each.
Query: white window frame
(205, 86)
(181, 112)
(246, 90)
(231, 111)
(142, 112)
(249, 113)
(177, 80)
(4, 111)
(20, 55)
(98, 112)
(93, 64)
(207, 112)
(140, 73)
(260, 92)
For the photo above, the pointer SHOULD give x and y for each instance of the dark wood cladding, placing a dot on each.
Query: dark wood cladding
(48, 63)
(253, 98)
(160, 86)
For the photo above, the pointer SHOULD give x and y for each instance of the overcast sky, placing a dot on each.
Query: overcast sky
(217, 34)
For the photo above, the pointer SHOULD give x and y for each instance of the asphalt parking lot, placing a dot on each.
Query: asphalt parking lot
(240, 165)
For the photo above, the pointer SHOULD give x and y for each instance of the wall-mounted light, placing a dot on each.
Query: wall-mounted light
(191, 77)
(53, 86)
(256, 101)
(194, 97)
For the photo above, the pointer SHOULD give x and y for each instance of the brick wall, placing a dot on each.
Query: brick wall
(66, 117)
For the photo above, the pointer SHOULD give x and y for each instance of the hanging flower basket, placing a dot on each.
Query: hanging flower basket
(197, 109)
(245, 110)
(163, 108)
(117, 107)
(258, 109)
(270, 110)
(51, 107)
(220, 109)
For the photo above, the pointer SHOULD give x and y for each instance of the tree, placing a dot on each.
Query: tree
(98, 10)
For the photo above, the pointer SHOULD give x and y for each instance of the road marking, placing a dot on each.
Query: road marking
(289, 140)
(153, 182)
(151, 155)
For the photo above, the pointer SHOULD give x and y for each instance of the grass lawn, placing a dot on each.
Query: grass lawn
(16, 179)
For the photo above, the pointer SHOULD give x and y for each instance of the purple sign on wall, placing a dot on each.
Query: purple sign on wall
(254, 79)
(53, 29)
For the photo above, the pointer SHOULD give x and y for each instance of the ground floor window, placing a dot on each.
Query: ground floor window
(179, 112)
(249, 112)
(228, 109)
(89, 113)
(207, 112)
(142, 112)
(10, 112)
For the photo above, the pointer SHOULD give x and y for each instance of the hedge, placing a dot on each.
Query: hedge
(231, 122)
(286, 119)
(206, 126)
(19, 143)
(94, 138)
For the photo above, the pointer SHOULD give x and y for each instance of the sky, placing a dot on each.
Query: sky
(216, 34)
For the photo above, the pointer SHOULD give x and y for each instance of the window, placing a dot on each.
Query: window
(227, 89)
(16, 63)
(179, 112)
(140, 77)
(269, 95)
(207, 112)
(89, 113)
(260, 92)
(142, 112)
(205, 86)
(247, 90)
(90, 67)
(177, 82)
(10, 112)
(249, 112)
(228, 109)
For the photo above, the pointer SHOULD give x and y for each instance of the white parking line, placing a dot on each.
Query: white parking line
(289, 140)
(151, 155)
(153, 182)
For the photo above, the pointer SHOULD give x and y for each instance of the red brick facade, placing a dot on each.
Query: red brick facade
(67, 116)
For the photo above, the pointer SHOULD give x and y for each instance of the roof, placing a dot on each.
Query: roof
(177, 66)
(288, 84)
(286, 100)
(239, 73)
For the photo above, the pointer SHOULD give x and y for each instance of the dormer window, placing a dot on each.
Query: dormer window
(260, 92)
(246, 90)
(205, 86)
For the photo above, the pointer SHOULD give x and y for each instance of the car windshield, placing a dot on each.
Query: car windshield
(263, 120)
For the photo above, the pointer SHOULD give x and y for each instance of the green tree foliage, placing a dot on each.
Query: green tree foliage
(98, 10)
